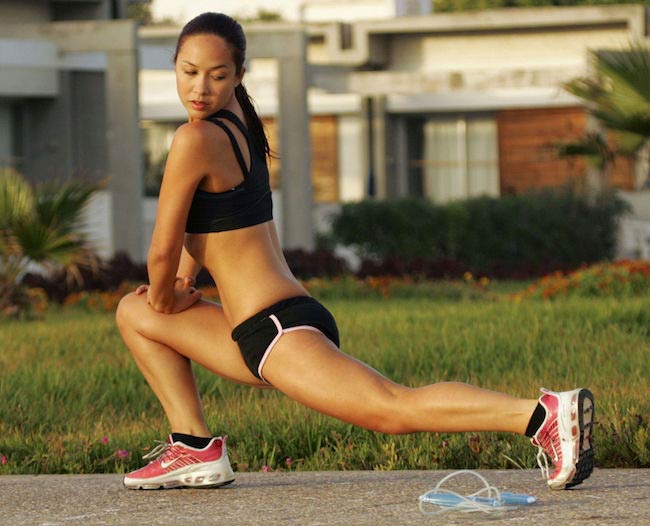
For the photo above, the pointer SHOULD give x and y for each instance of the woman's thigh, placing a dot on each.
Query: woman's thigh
(200, 333)
(309, 368)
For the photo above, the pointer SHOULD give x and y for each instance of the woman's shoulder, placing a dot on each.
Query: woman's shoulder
(199, 134)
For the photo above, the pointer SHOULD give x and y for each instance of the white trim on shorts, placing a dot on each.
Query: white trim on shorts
(281, 331)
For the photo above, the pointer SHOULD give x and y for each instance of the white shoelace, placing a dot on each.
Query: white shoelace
(157, 451)
(542, 457)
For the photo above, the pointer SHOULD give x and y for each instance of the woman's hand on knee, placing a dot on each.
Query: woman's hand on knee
(184, 296)
(179, 283)
(184, 299)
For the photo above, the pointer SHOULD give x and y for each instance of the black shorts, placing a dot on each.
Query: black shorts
(258, 335)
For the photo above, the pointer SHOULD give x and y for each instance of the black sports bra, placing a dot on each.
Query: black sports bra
(248, 204)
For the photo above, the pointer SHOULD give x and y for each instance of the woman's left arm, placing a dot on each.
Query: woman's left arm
(183, 172)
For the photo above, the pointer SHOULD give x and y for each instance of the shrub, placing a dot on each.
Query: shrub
(317, 264)
(405, 228)
(515, 236)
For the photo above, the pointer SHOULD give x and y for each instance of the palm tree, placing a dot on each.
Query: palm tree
(38, 225)
(618, 95)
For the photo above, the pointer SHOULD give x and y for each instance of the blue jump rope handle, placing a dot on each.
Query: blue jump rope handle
(517, 499)
(507, 499)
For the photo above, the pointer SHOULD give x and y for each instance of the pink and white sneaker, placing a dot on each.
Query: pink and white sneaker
(178, 465)
(565, 437)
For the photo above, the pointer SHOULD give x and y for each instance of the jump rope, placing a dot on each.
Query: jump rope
(488, 499)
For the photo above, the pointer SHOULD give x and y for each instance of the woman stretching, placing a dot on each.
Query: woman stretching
(215, 212)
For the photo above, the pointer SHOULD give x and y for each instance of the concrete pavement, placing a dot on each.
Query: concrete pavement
(609, 497)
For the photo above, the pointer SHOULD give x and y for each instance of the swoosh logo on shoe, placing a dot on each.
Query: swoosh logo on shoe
(164, 464)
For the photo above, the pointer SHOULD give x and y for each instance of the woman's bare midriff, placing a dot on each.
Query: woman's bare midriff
(248, 268)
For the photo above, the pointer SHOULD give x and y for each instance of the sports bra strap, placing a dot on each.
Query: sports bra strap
(235, 146)
(229, 115)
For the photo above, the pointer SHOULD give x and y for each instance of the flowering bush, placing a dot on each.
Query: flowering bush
(469, 287)
(104, 301)
(616, 279)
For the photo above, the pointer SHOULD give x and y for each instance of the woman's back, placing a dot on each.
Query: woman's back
(231, 232)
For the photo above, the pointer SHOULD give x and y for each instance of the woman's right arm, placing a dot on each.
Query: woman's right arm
(184, 169)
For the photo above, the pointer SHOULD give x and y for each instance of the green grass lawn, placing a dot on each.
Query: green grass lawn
(72, 400)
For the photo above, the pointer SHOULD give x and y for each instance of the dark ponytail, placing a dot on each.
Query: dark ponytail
(229, 29)
(253, 121)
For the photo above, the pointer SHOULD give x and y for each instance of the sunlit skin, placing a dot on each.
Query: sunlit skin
(166, 325)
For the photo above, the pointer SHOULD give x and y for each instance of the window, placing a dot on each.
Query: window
(460, 158)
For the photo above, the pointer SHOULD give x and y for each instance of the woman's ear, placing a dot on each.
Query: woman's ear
(240, 76)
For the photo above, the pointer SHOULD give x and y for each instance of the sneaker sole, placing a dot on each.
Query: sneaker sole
(585, 464)
(198, 479)
(178, 484)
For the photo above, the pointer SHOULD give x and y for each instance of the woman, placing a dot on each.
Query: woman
(215, 212)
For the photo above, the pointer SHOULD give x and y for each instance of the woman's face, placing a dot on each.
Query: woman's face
(206, 75)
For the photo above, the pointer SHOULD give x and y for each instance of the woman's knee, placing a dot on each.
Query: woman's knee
(392, 417)
(392, 424)
(126, 314)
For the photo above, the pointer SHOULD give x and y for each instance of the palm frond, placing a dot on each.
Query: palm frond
(16, 198)
(588, 89)
(629, 71)
(593, 147)
(60, 206)
(41, 243)
(618, 94)
(628, 143)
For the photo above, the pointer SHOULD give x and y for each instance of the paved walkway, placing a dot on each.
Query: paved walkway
(609, 497)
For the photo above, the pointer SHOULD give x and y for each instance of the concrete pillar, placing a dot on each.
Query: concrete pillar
(124, 152)
(289, 46)
(118, 41)
(399, 160)
(378, 147)
(295, 149)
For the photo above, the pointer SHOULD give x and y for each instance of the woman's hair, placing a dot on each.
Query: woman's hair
(229, 29)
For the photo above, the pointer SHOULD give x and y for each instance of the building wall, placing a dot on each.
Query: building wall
(502, 50)
(527, 155)
(24, 12)
(328, 10)
(38, 11)
(64, 137)
(75, 10)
